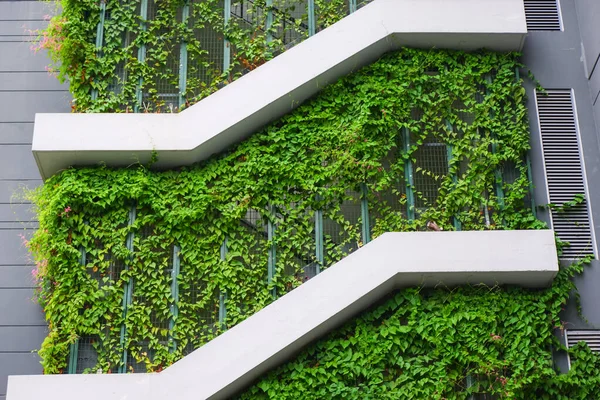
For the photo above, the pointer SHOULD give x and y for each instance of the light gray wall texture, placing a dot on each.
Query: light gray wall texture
(25, 89)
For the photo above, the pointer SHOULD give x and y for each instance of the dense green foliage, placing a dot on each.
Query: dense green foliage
(443, 344)
(136, 66)
(419, 135)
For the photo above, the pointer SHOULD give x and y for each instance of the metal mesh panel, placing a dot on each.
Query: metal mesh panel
(431, 165)
(542, 15)
(163, 93)
(362, 3)
(296, 252)
(251, 19)
(205, 63)
(290, 22)
(328, 12)
(87, 355)
(341, 231)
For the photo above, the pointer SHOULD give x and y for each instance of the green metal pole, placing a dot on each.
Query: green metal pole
(352, 6)
(175, 294)
(183, 58)
(498, 172)
(99, 38)
(319, 248)
(455, 221)
(312, 27)
(408, 176)
(226, 44)
(74, 347)
(528, 162)
(141, 56)
(222, 293)
(269, 23)
(364, 211)
(128, 292)
(272, 250)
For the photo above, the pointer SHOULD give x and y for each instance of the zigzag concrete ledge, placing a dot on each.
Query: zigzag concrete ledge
(278, 86)
(233, 360)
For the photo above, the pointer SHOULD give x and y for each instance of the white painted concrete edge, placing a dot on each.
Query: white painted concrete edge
(278, 86)
(233, 360)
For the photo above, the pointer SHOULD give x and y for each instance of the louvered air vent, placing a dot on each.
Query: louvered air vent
(564, 171)
(542, 15)
(592, 338)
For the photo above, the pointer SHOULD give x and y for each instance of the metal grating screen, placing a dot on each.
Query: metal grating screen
(564, 170)
(542, 15)
(590, 337)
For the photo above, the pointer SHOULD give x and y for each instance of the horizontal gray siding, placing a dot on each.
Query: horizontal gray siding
(26, 88)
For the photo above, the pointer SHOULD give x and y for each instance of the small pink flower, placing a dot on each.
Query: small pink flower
(67, 210)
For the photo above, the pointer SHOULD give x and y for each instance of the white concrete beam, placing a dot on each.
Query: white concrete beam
(277, 87)
(230, 362)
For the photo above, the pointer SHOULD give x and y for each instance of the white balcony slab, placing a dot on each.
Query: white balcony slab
(277, 87)
(233, 360)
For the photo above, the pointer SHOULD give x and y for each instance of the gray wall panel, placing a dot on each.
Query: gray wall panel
(17, 364)
(11, 191)
(25, 89)
(21, 338)
(595, 84)
(19, 57)
(588, 12)
(12, 250)
(25, 10)
(22, 106)
(18, 307)
(15, 132)
(17, 162)
(556, 61)
(16, 213)
(38, 81)
(21, 28)
(16, 277)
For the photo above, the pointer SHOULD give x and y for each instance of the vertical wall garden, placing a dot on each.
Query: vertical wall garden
(164, 55)
(137, 268)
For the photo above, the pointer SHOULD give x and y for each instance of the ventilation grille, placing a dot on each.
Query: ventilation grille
(542, 15)
(592, 338)
(564, 171)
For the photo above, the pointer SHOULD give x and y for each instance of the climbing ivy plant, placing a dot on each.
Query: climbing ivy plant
(163, 55)
(146, 265)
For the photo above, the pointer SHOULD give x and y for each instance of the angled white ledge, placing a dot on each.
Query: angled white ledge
(277, 87)
(230, 362)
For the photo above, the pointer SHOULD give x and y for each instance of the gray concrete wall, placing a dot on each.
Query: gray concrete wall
(25, 88)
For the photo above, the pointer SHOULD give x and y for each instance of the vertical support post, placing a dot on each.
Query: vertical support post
(312, 26)
(183, 57)
(351, 6)
(141, 56)
(74, 347)
(128, 292)
(269, 22)
(222, 293)
(319, 248)
(226, 44)
(455, 221)
(470, 384)
(364, 211)
(528, 162)
(99, 37)
(408, 176)
(498, 172)
(175, 294)
(272, 250)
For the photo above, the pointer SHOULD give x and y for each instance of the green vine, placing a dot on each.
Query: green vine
(137, 65)
(443, 344)
(419, 137)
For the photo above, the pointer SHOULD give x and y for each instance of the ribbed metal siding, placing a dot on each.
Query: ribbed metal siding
(564, 171)
(542, 15)
(592, 338)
